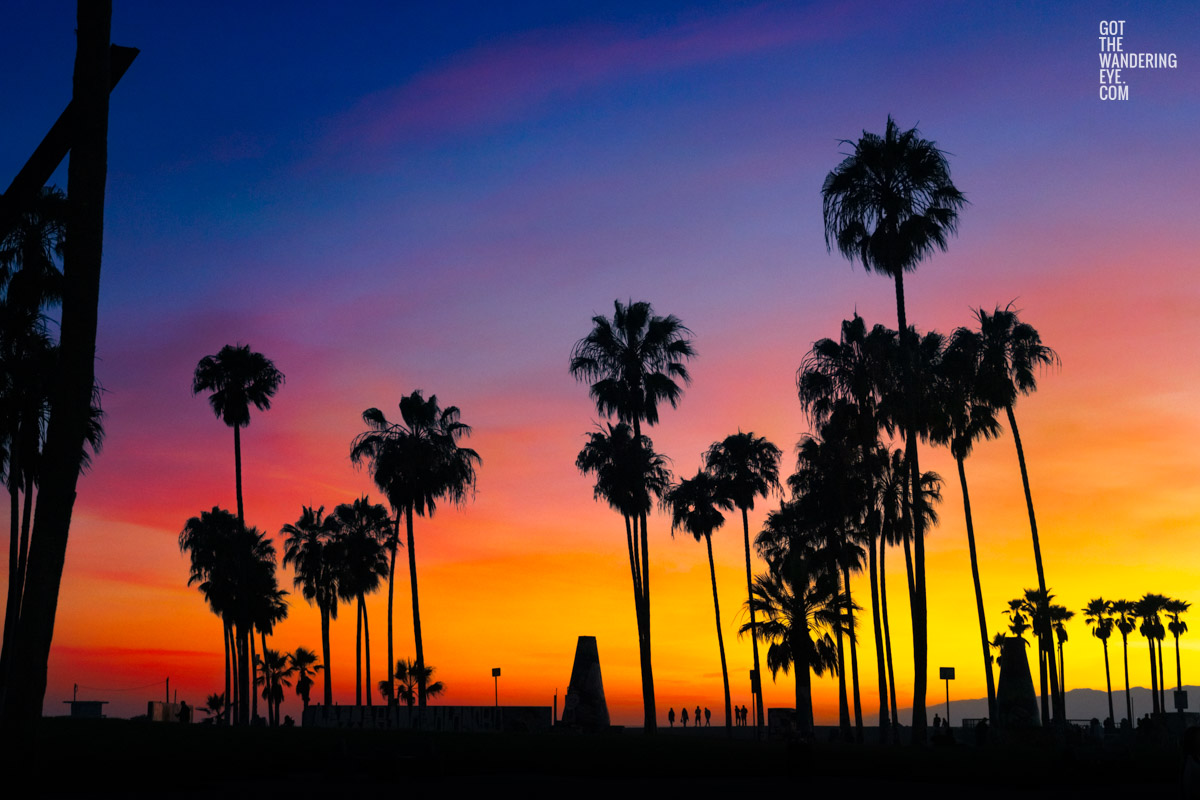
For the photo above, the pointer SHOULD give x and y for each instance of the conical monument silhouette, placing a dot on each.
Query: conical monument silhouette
(585, 707)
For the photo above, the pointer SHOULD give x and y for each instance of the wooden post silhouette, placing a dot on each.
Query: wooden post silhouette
(84, 130)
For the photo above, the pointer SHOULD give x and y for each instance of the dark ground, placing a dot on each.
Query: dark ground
(88, 758)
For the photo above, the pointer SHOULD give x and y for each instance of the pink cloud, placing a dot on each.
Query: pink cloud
(502, 80)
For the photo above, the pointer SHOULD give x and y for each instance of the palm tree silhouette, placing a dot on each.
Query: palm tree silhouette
(237, 378)
(414, 681)
(416, 463)
(629, 474)
(1125, 618)
(1146, 609)
(303, 663)
(362, 528)
(1174, 610)
(235, 569)
(696, 505)
(31, 282)
(1098, 615)
(832, 483)
(215, 705)
(318, 564)
(276, 671)
(799, 602)
(633, 362)
(962, 418)
(848, 379)
(1059, 616)
(888, 205)
(746, 466)
(1011, 352)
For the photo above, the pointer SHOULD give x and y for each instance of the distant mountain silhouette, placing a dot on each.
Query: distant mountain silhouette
(1082, 704)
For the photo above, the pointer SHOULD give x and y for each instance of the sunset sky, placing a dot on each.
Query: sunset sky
(397, 196)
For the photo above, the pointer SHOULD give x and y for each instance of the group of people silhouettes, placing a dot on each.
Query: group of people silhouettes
(683, 717)
(740, 715)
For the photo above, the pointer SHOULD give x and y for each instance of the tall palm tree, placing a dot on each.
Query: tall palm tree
(1059, 616)
(1098, 615)
(235, 568)
(1174, 610)
(416, 463)
(963, 418)
(1125, 618)
(238, 378)
(799, 605)
(629, 474)
(204, 538)
(303, 663)
(633, 362)
(1011, 353)
(888, 205)
(1146, 609)
(747, 467)
(363, 529)
(318, 564)
(696, 505)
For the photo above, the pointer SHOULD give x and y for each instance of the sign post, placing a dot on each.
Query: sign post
(496, 678)
(947, 674)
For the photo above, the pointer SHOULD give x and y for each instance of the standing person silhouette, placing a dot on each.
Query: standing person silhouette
(671, 716)
(707, 717)
(683, 717)
(697, 717)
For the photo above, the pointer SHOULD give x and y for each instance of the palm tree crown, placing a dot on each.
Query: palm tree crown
(634, 361)
(418, 461)
(891, 201)
(237, 378)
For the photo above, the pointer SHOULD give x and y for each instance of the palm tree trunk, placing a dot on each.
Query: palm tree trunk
(887, 638)
(247, 691)
(1178, 671)
(880, 669)
(272, 716)
(631, 543)
(1125, 655)
(650, 714)
(391, 663)
(1162, 684)
(919, 621)
(237, 471)
(358, 652)
(253, 678)
(366, 647)
(983, 634)
(412, 575)
(71, 406)
(14, 533)
(843, 704)
(803, 675)
(1042, 671)
(325, 649)
(228, 670)
(1153, 677)
(650, 721)
(753, 626)
(1108, 682)
(712, 571)
(1062, 676)
(858, 722)
(1059, 705)
(235, 712)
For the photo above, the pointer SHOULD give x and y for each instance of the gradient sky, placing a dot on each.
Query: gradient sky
(385, 197)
